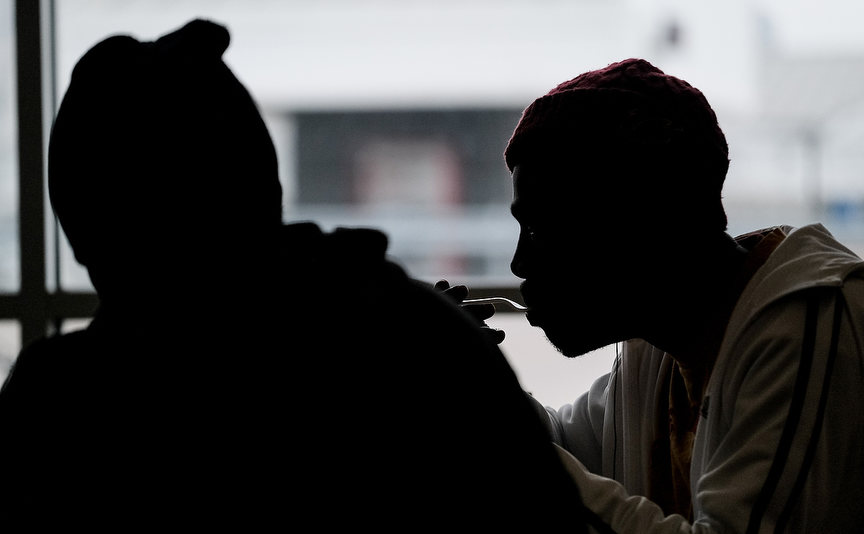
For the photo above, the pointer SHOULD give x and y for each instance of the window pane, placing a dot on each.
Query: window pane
(9, 249)
(71, 325)
(792, 123)
(396, 114)
(436, 155)
(10, 345)
(434, 179)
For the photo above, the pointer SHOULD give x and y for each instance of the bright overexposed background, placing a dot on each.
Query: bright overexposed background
(786, 78)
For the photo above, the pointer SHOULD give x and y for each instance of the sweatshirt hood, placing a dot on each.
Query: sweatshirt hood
(809, 257)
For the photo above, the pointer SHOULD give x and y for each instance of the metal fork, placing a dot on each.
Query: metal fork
(493, 300)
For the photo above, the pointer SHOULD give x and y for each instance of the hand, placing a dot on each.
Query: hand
(480, 312)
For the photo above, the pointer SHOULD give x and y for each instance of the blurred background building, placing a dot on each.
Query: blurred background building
(395, 114)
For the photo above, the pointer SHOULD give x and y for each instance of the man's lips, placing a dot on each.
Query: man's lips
(529, 294)
(532, 315)
(534, 301)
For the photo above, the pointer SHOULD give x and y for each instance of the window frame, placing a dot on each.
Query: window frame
(37, 308)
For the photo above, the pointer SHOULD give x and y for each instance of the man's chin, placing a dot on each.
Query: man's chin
(572, 351)
(565, 341)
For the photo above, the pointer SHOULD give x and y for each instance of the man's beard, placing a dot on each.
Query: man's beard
(572, 335)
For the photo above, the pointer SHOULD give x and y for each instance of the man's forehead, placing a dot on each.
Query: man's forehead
(539, 176)
(538, 191)
(546, 178)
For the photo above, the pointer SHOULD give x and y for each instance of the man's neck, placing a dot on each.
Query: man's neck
(694, 323)
(702, 316)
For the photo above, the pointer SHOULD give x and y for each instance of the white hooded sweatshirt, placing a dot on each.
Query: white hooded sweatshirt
(780, 443)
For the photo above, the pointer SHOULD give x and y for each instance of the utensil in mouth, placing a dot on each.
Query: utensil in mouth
(496, 300)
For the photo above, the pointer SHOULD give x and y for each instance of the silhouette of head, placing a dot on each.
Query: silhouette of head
(654, 134)
(617, 173)
(159, 158)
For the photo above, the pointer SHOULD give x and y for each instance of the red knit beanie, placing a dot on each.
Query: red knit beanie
(631, 95)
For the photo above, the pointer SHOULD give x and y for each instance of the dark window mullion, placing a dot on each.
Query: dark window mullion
(31, 150)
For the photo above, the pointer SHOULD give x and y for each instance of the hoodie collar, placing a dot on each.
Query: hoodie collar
(808, 257)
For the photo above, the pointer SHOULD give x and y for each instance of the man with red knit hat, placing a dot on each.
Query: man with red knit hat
(734, 404)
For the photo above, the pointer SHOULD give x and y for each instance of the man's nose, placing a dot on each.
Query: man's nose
(518, 263)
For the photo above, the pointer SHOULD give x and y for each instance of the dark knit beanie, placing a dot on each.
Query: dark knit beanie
(626, 85)
(157, 135)
(633, 115)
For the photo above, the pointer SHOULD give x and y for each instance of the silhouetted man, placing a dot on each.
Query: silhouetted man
(735, 405)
